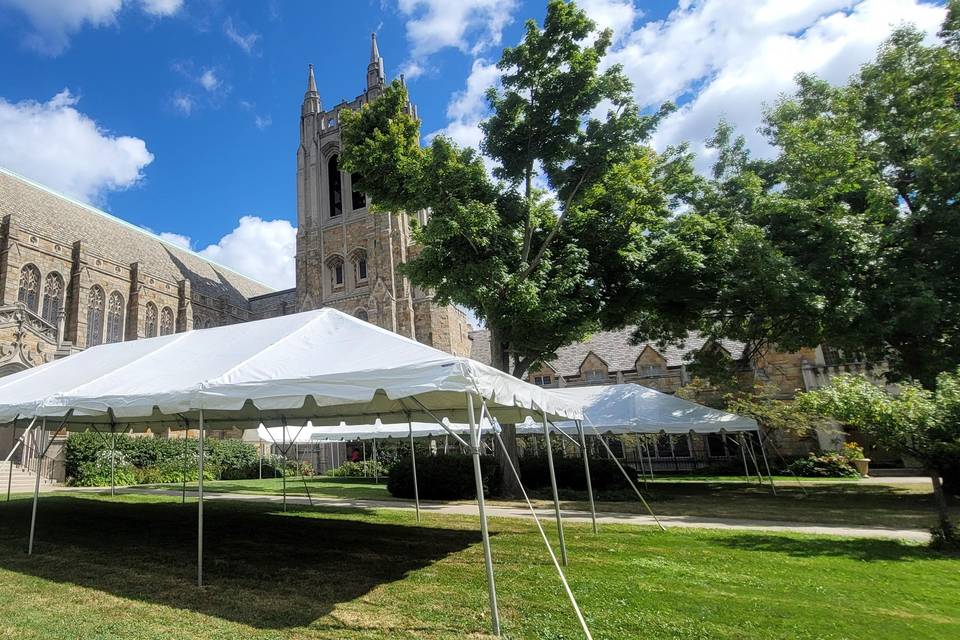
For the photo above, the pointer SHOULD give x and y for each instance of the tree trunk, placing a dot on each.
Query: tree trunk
(500, 359)
(943, 513)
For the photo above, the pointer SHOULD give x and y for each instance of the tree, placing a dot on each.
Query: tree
(542, 267)
(849, 236)
(922, 423)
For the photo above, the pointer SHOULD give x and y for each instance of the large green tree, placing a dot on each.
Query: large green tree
(541, 267)
(850, 235)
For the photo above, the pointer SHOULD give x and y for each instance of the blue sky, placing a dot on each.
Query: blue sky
(182, 115)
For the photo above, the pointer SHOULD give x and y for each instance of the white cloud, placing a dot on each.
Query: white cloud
(261, 249)
(244, 41)
(183, 103)
(469, 106)
(471, 26)
(727, 58)
(209, 80)
(55, 21)
(57, 145)
(618, 15)
(262, 122)
(175, 239)
(161, 7)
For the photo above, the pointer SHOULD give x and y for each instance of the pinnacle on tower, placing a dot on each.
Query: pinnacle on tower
(311, 99)
(375, 76)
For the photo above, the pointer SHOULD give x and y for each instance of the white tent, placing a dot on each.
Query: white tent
(311, 434)
(630, 408)
(324, 366)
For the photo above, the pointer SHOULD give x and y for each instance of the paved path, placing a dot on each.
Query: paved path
(603, 517)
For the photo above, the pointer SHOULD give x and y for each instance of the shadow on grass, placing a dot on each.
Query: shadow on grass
(262, 568)
(862, 549)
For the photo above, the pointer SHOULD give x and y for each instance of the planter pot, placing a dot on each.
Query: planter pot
(862, 467)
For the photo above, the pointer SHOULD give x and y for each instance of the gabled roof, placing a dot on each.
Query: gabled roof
(613, 347)
(47, 213)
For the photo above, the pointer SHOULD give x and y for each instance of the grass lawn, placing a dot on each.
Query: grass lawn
(905, 506)
(125, 568)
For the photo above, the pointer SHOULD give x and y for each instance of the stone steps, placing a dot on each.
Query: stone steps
(21, 480)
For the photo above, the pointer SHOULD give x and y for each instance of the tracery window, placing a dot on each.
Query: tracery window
(95, 316)
(360, 266)
(334, 186)
(335, 265)
(115, 318)
(150, 324)
(29, 293)
(52, 297)
(166, 321)
(358, 197)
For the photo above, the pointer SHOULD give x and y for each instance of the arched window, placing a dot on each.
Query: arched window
(166, 321)
(362, 314)
(52, 297)
(29, 293)
(335, 265)
(150, 325)
(360, 266)
(95, 316)
(115, 318)
(333, 186)
(359, 198)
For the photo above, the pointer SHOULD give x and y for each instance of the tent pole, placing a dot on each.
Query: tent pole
(260, 455)
(36, 488)
(183, 490)
(553, 486)
(200, 507)
(376, 472)
(743, 454)
(627, 476)
(484, 533)
(18, 444)
(643, 470)
(763, 452)
(283, 439)
(413, 461)
(113, 454)
(646, 445)
(586, 471)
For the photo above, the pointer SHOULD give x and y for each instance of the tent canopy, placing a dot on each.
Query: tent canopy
(311, 434)
(322, 365)
(631, 408)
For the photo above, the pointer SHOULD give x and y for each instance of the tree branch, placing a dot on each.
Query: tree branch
(553, 232)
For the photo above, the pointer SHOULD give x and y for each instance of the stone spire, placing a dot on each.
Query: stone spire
(311, 99)
(375, 75)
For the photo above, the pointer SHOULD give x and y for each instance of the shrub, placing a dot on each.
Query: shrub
(147, 459)
(604, 474)
(852, 451)
(362, 469)
(824, 465)
(96, 472)
(444, 477)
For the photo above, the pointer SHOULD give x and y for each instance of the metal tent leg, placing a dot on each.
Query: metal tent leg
(763, 452)
(586, 471)
(36, 488)
(183, 490)
(553, 486)
(413, 462)
(200, 507)
(113, 462)
(743, 454)
(484, 533)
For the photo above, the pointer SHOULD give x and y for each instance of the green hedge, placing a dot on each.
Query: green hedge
(444, 477)
(604, 474)
(362, 469)
(824, 465)
(146, 460)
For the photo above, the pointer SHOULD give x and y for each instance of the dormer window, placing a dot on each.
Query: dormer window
(596, 376)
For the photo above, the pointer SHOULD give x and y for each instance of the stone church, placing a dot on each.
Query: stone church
(72, 276)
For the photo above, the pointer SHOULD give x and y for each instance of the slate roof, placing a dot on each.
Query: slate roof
(50, 214)
(613, 347)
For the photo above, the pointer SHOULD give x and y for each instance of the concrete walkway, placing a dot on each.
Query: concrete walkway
(603, 517)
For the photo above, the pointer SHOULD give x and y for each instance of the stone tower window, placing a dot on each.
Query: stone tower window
(360, 266)
(166, 321)
(115, 318)
(95, 316)
(333, 186)
(362, 314)
(359, 198)
(335, 265)
(29, 293)
(52, 297)
(150, 325)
